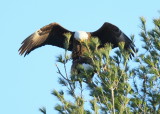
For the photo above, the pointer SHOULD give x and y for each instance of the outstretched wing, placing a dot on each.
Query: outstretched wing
(110, 33)
(52, 34)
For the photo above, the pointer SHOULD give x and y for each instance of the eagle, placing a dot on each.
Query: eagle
(53, 34)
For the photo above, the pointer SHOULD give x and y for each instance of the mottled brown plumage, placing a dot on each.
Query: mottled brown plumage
(53, 34)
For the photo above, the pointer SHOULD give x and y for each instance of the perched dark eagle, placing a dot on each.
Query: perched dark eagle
(53, 34)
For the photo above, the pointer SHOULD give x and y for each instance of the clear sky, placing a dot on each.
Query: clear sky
(26, 83)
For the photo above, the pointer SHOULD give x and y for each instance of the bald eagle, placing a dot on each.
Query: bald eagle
(53, 34)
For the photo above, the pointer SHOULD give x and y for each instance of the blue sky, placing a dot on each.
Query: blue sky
(26, 83)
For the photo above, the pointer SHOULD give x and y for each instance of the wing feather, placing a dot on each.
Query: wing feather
(52, 34)
(110, 33)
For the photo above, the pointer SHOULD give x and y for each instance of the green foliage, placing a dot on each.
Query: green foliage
(146, 96)
(43, 110)
(68, 36)
(109, 87)
(117, 86)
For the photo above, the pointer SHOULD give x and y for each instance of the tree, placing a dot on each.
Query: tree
(115, 88)
(146, 97)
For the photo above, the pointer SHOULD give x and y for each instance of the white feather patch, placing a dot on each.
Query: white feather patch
(81, 35)
(87, 66)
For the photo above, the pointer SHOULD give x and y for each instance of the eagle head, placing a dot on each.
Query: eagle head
(81, 35)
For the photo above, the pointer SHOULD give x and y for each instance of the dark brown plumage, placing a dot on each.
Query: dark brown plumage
(109, 33)
(53, 34)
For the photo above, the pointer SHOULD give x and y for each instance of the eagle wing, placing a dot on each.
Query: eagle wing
(110, 33)
(52, 34)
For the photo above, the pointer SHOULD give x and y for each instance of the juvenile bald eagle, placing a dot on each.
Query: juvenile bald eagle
(53, 34)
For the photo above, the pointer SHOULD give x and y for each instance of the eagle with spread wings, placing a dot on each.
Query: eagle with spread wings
(53, 34)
